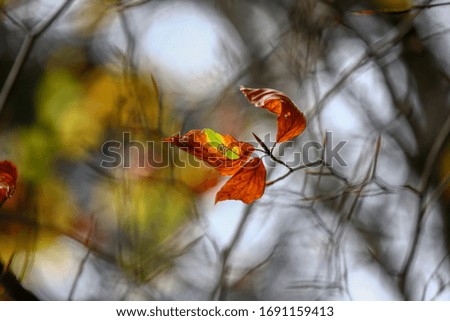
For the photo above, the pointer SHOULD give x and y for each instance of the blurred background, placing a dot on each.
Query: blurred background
(77, 74)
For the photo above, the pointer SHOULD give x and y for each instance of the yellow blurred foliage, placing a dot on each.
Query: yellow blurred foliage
(144, 207)
(132, 104)
(148, 213)
(55, 207)
(78, 109)
(194, 174)
(52, 212)
(4, 3)
(92, 16)
(60, 108)
(35, 157)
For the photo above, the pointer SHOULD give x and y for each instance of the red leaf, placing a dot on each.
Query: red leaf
(247, 184)
(8, 178)
(222, 152)
(291, 121)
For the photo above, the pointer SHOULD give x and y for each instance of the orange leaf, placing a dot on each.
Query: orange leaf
(291, 121)
(8, 177)
(246, 185)
(222, 152)
(364, 12)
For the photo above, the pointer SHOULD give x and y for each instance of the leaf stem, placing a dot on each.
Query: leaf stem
(430, 5)
(279, 161)
(269, 152)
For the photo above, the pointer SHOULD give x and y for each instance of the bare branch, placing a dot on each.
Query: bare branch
(294, 169)
(25, 49)
(221, 289)
(433, 275)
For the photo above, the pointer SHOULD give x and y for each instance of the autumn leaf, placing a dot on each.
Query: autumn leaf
(369, 12)
(8, 177)
(388, 6)
(291, 121)
(247, 184)
(232, 157)
(229, 157)
(364, 12)
(222, 152)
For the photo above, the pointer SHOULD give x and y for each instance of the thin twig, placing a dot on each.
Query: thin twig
(339, 231)
(83, 261)
(38, 225)
(160, 124)
(321, 223)
(136, 3)
(13, 20)
(294, 169)
(25, 49)
(255, 267)
(131, 43)
(432, 157)
(220, 291)
(430, 5)
(377, 49)
(430, 278)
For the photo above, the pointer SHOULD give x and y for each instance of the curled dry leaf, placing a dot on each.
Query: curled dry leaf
(8, 178)
(247, 184)
(291, 121)
(232, 157)
(229, 157)
(222, 152)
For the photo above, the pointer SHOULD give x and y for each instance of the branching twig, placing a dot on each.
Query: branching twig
(377, 49)
(294, 169)
(422, 208)
(14, 21)
(25, 49)
(430, 278)
(255, 267)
